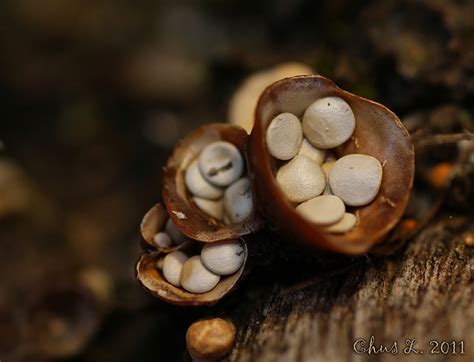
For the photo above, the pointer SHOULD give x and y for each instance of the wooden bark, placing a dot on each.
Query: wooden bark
(423, 292)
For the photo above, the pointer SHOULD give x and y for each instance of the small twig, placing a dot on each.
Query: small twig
(421, 139)
(463, 155)
(425, 220)
(466, 150)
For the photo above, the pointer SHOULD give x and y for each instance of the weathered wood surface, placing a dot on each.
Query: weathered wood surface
(423, 292)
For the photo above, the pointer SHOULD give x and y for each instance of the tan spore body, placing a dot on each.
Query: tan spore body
(210, 339)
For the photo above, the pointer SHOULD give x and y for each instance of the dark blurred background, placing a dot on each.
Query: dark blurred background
(95, 93)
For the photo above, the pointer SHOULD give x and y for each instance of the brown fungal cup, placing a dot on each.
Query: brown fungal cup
(378, 132)
(191, 220)
(153, 281)
(153, 222)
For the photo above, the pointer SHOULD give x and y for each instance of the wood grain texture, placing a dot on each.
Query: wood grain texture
(424, 292)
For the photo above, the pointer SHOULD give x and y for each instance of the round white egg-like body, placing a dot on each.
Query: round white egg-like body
(221, 163)
(284, 136)
(238, 202)
(196, 278)
(301, 179)
(223, 257)
(173, 265)
(214, 208)
(356, 179)
(176, 235)
(322, 210)
(315, 154)
(328, 122)
(162, 240)
(198, 185)
(344, 225)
